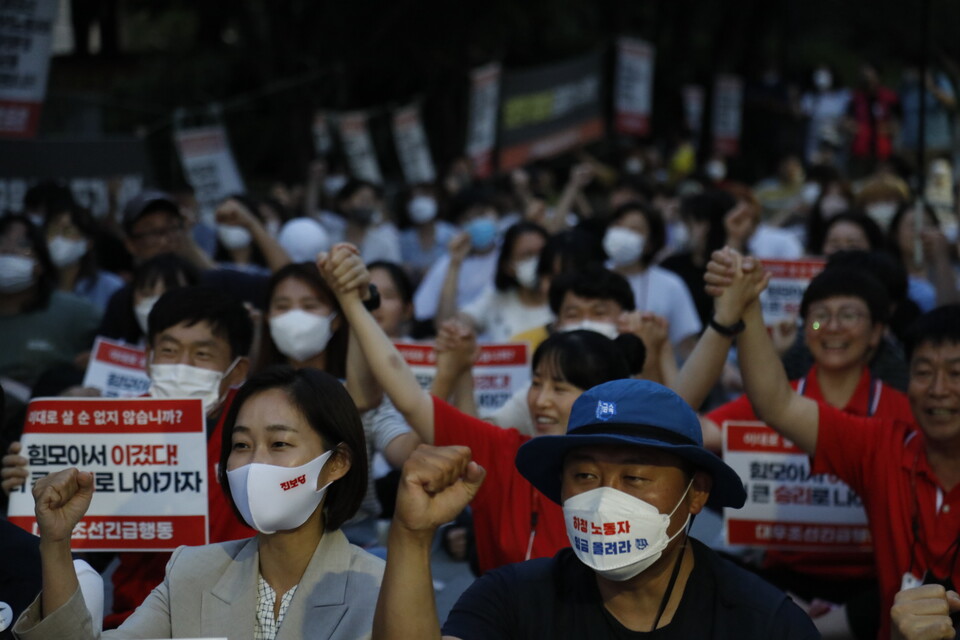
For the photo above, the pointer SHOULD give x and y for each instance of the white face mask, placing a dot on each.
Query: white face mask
(142, 311)
(188, 381)
(822, 79)
(615, 534)
(882, 212)
(633, 165)
(64, 251)
(526, 273)
(623, 245)
(16, 273)
(716, 170)
(299, 334)
(272, 498)
(232, 236)
(606, 329)
(422, 209)
(810, 192)
(832, 204)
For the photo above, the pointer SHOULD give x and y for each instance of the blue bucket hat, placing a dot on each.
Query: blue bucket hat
(629, 412)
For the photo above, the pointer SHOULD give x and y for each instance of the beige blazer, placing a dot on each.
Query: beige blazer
(211, 591)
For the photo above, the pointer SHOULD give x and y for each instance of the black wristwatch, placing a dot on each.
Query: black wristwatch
(373, 302)
(729, 331)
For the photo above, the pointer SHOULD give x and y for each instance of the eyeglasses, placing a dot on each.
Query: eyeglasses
(154, 236)
(846, 318)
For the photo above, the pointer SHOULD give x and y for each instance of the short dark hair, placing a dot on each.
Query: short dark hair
(848, 281)
(400, 278)
(870, 229)
(326, 406)
(657, 237)
(595, 283)
(587, 358)
(226, 315)
(907, 208)
(169, 268)
(936, 327)
(710, 206)
(575, 249)
(501, 280)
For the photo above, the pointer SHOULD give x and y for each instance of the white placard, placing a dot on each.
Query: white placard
(117, 369)
(26, 35)
(482, 121)
(209, 166)
(633, 99)
(727, 114)
(412, 146)
(788, 281)
(358, 146)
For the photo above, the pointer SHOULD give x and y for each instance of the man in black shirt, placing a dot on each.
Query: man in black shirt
(631, 473)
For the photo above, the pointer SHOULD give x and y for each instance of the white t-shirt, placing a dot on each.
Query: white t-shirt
(476, 273)
(665, 294)
(773, 242)
(499, 315)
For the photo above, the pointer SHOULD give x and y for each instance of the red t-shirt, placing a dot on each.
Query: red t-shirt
(139, 572)
(504, 508)
(870, 398)
(914, 522)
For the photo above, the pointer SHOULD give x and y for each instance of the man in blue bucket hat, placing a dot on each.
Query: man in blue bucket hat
(631, 473)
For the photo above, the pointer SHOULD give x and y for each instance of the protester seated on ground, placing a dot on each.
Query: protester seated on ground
(305, 327)
(906, 473)
(630, 474)
(634, 236)
(470, 264)
(927, 612)
(513, 523)
(933, 280)
(425, 239)
(517, 299)
(41, 327)
(71, 235)
(844, 311)
(395, 312)
(298, 573)
(197, 348)
(362, 219)
(243, 241)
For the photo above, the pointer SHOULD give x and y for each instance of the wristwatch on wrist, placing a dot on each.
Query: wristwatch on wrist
(373, 302)
(728, 330)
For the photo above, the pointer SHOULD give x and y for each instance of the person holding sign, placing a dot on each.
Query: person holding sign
(513, 522)
(906, 472)
(630, 473)
(292, 464)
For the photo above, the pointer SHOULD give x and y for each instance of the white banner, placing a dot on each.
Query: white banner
(117, 369)
(633, 99)
(693, 100)
(727, 114)
(322, 135)
(412, 146)
(209, 166)
(499, 371)
(26, 35)
(358, 146)
(482, 121)
(788, 507)
(149, 463)
(788, 281)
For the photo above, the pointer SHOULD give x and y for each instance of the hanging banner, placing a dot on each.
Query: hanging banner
(482, 122)
(787, 507)
(633, 99)
(727, 114)
(148, 458)
(117, 369)
(358, 146)
(26, 37)
(322, 135)
(412, 147)
(693, 109)
(551, 109)
(788, 281)
(499, 371)
(208, 166)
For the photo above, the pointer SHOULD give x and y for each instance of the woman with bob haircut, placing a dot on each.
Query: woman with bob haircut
(513, 522)
(294, 468)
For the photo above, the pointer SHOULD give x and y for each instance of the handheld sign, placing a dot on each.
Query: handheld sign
(117, 369)
(148, 457)
(788, 507)
(788, 282)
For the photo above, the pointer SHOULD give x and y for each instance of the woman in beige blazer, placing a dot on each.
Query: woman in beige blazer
(293, 464)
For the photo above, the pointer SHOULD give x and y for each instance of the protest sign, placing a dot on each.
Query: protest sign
(550, 109)
(499, 371)
(788, 281)
(322, 135)
(727, 114)
(412, 147)
(148, 458)
(26, 37)
(693, 109)
(208, 166)
(633, 98)
(117, 369)
(482, 121)
(788, 507)
(358, 146)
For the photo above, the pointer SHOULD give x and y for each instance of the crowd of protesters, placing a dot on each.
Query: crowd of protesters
(630, 276)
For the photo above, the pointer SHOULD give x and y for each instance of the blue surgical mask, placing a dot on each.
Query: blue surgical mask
(483, 233)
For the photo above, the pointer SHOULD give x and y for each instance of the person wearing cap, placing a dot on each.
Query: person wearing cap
(630, 473)
(153, 224)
